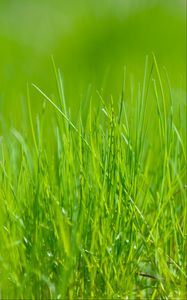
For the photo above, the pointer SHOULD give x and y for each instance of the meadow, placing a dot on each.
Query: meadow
(93, 160)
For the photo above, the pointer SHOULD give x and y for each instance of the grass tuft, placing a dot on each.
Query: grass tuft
(96, 208)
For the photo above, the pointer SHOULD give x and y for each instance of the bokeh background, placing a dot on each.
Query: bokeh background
(91, 41)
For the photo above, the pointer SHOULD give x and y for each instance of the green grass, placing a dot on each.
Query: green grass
(91, 41)
(95, 206)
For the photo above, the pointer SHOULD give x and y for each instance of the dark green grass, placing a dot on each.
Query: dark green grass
(96, 207)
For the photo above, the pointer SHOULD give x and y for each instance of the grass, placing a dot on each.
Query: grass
(96, 207)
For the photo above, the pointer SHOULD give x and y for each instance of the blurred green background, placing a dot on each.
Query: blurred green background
(91, 42)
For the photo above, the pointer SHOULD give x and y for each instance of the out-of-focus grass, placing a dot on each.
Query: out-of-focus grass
(91, 41)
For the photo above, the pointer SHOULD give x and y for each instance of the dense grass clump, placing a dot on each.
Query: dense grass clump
(96, 208)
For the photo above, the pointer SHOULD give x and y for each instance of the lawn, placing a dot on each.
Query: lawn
(93, 160)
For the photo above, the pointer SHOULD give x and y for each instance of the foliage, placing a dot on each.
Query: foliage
(96, 207)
